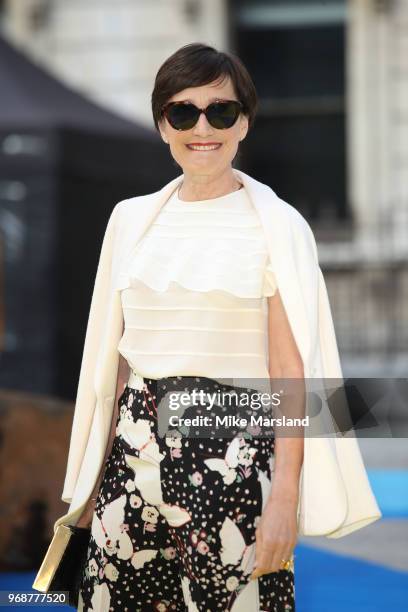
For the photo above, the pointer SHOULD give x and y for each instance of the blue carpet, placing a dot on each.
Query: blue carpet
(324, 582)
(390, 488)
(328, 582)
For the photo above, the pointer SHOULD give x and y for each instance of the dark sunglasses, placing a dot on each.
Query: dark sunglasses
(220, 115)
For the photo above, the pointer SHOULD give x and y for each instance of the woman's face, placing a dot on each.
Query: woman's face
(210, 162)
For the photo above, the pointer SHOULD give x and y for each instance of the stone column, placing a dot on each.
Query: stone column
(377, 80)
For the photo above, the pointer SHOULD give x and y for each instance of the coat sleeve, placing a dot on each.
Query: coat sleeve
(85, 402)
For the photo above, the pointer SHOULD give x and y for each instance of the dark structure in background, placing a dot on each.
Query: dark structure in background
(64, 163)
(295, 52)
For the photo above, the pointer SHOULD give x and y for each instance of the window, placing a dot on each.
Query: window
(294, 51)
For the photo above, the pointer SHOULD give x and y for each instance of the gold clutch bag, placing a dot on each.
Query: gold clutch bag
(62, 566)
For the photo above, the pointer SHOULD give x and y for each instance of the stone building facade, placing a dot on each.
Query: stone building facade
(112, 50)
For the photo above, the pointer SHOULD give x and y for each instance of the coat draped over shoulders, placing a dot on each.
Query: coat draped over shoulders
(335, 494)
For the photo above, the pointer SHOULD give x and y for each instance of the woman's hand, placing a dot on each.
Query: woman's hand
(276, 535)
(85, 520)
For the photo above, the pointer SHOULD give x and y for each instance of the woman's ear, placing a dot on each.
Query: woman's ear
(243, 128)
(162, 132)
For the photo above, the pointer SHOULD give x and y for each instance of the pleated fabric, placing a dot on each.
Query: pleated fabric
(194, 294)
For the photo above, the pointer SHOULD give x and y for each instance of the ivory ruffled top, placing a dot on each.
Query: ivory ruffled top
(195, 293)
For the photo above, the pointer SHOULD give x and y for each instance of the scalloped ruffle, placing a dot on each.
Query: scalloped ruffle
(245, 283)
(204, 249)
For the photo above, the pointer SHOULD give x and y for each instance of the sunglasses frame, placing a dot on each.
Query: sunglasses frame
(166, 107)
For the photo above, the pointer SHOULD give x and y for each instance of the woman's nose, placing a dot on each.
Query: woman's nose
(202, 127)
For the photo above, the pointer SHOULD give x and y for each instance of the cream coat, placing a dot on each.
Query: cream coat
(335, 494)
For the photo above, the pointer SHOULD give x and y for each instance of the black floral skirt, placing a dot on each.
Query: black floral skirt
(175, 518)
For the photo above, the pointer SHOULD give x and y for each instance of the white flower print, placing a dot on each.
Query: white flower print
(223, 509)
(101, 598)
(218, 535)
(140, 436)
(93, 567)
(111, 572)
(173, 440)
(169, 552)
(196, 479)
(230, 476)
(202, 547)
(174, 514)
(125, 414)
(232, 583)
(233, 547)
(108, 531)
(143, 556)
(185, 585)
(135, 501)
(130, 485)
(235, 457)
(147, 478)
(150, 514)
(245, 455)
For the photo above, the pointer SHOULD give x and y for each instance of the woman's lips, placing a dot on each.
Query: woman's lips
(204, 147)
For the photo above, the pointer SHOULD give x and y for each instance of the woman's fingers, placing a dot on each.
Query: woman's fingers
(269, 555)
(263, 556)
(262, 563)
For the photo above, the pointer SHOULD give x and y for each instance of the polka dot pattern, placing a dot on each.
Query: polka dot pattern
(175, 518)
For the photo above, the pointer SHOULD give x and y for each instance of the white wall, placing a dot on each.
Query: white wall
(112, 50)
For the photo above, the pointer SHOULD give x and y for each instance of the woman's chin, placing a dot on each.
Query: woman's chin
(203, 165)
(198, 169)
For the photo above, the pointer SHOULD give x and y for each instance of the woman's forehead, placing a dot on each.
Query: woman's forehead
(205, 93)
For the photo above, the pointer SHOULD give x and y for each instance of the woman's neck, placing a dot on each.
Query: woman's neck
(204, 188)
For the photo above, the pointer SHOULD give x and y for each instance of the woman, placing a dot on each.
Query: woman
(205, 147)
(191, 522)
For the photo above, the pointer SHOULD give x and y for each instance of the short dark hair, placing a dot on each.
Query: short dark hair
(198, 64)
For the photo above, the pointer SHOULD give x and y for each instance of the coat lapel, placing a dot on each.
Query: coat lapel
(141, 212)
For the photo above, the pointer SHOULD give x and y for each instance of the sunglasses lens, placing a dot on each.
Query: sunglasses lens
(223, 115)
(182, 116)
